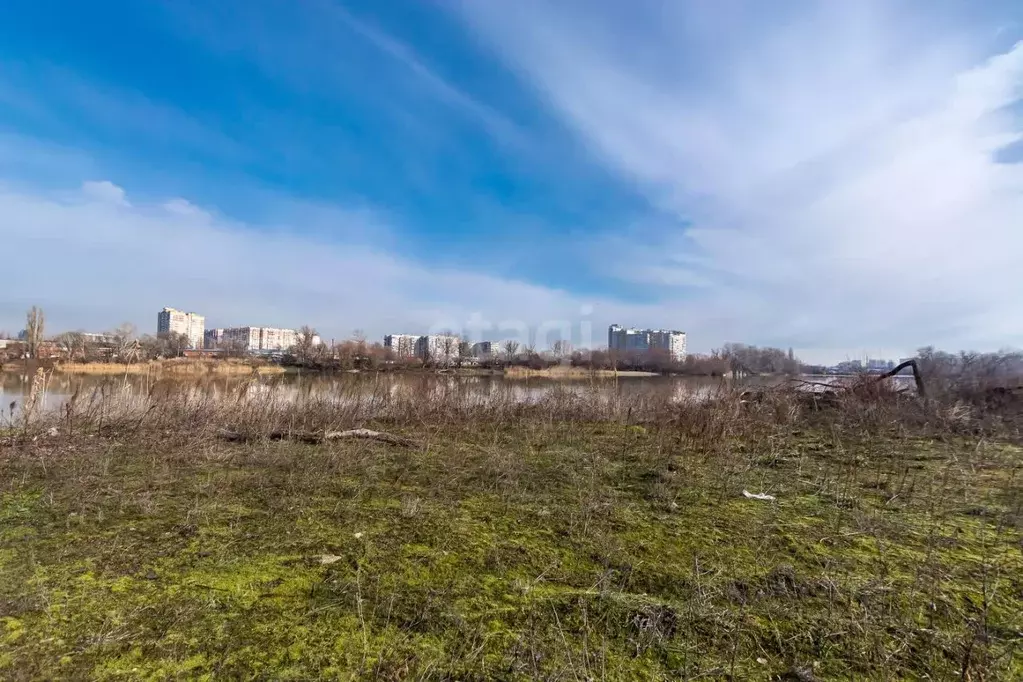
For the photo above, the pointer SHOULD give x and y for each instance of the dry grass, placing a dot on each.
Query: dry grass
(581, 536)
(564, 372)
(112, 368)
(177, 367)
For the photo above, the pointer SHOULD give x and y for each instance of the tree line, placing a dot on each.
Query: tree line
(123, 344)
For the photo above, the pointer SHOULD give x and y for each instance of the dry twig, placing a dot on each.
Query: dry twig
(316, 437)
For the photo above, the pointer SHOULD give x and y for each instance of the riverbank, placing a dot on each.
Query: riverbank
(574, 538)
(563, 372)
(192, 367)
(177, 367)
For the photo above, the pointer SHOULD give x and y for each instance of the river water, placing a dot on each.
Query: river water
(58, 388)
(15, 387)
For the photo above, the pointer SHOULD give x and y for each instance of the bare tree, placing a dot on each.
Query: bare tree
(150, 347)
(70, 344)
(449, 346)
(123, 338)
(304, 345)
(234, 348)
(511, 350)
(176, 344)
(561, 349)
(359, 337)
(34, 329)
(464, 352)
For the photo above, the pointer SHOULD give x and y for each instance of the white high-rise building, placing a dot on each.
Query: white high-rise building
(241, 338)
(266, 339)
(192, 325)
(628, 340)
(213, 338)
(272, 338)
(439, 348)
(486, 350)
(402, 345)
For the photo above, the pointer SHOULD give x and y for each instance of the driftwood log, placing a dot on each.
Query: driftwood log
(917, 376)
(829, 398)
(315, 437)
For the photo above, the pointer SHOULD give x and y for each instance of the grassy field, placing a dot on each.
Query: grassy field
(567, 540)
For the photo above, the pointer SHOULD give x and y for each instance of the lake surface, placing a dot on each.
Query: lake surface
(16, 386)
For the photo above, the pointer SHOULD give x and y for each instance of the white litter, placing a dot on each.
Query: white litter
(757, 496)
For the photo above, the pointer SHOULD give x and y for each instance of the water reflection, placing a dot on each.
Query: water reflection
(58, 388)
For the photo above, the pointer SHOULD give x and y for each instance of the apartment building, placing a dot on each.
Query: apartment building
(439, 348)
(254, 339)
(485, 350)
(241, 338)
(272, 338)
(402, 345)
(192, 325)
(672, 341)
(630, 340)
(98, 339)
(213, 338)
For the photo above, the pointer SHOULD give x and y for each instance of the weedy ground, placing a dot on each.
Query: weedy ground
(518, 543)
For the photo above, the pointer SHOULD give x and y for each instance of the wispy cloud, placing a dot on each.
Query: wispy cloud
(309, 46)
(826, 174)
(93, 258)
(492, 120)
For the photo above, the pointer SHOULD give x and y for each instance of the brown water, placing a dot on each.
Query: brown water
(15, 387)
(58, 388)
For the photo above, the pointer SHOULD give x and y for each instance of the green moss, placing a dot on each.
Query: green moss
(514, 551)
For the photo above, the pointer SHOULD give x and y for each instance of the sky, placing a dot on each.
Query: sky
(842, 178)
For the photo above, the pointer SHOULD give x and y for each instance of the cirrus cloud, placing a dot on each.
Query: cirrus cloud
(823, 174)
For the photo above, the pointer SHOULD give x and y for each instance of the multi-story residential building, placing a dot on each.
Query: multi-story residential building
(213, 338)
(674, 342)
(242, 338)
(438, 348)
(192, 325)
(272, 338)
(255, 339)
(100, 338)
(627, 340)
(402, 345)
(486, 350)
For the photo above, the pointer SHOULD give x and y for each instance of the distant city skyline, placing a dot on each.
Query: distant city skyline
(441, 347)
(865, 357)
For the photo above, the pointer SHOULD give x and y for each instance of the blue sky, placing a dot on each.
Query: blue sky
(776, 177)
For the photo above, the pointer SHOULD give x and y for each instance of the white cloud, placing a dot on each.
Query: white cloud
(186, 209)
(104, 191)
(91, 259)
(827, 174)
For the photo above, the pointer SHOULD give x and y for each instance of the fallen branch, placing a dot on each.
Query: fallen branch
(917, 376)
(317, 437)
